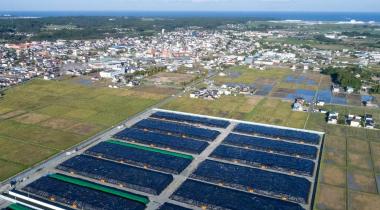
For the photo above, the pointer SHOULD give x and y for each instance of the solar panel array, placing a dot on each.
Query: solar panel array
(247, 166)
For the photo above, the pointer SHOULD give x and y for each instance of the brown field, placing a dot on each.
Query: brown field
(362, 181)
(333, 175)
(83, 129)
(354, 100)
(80, 114)
(12, 114)
(58, 123)
(331, 198)
(375, 148)
(325, 82)
(337, 130)
(251, 102)
(171, 78)
(31, 118)
(356, 133)
(335, 142)
(152, 92)
(373, 135)
(4, 110)
(360, 160)
(363, 201)
(334, 156)
(360, 146)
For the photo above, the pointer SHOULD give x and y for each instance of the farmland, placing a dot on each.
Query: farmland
(41, 118)
(350, 166)
(171, 79)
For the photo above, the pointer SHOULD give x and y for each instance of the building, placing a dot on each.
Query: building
(110, 74)
(368, 121)
(349, 90)
(333, 118)
(354, 120)
(298, 104)
(335, 89)
(320, 103)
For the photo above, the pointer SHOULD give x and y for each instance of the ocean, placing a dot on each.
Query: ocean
(305, 16)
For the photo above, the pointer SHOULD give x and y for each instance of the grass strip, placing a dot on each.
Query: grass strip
(17, 206)
(151, 149)
(101, 188)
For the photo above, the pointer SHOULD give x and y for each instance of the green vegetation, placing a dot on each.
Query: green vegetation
(248, 76)
(99, 27)
(345, 77)
(101, 188)
(41, 118)
(375, 89)
(151, 71)
(17, 206)
(257, 109)
(151, 149)
(323, 39)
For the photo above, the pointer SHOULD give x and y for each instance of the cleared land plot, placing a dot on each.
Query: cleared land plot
(248, 76)
(12, 114)
(171, 78)
(141, 156)
(215, 197)
(360, 160)
(254, 180)
(363, 201)
(317, 121)
(118, 174)
(375, 148)
(362, 181)
(277, 112)
(334, 156)
(300, 81)
(50, 116)
(330, 198)
(236, 107)
(31, 118)
(333, 175)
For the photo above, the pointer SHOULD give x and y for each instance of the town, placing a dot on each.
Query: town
(180, 107)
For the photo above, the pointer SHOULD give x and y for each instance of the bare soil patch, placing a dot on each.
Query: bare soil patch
(331, 198)
(363, 201)
(58, 123)
(32, 118)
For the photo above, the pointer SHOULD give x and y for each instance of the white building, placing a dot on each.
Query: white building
(110, 74)
(354, 120)
(333, 118)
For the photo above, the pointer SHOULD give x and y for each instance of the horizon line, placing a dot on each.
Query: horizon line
(214, 11)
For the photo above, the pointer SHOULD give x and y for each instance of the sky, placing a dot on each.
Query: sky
(191, 5)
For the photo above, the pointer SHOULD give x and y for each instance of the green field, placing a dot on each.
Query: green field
(249, 76)
(252, 108)
(41, 118)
